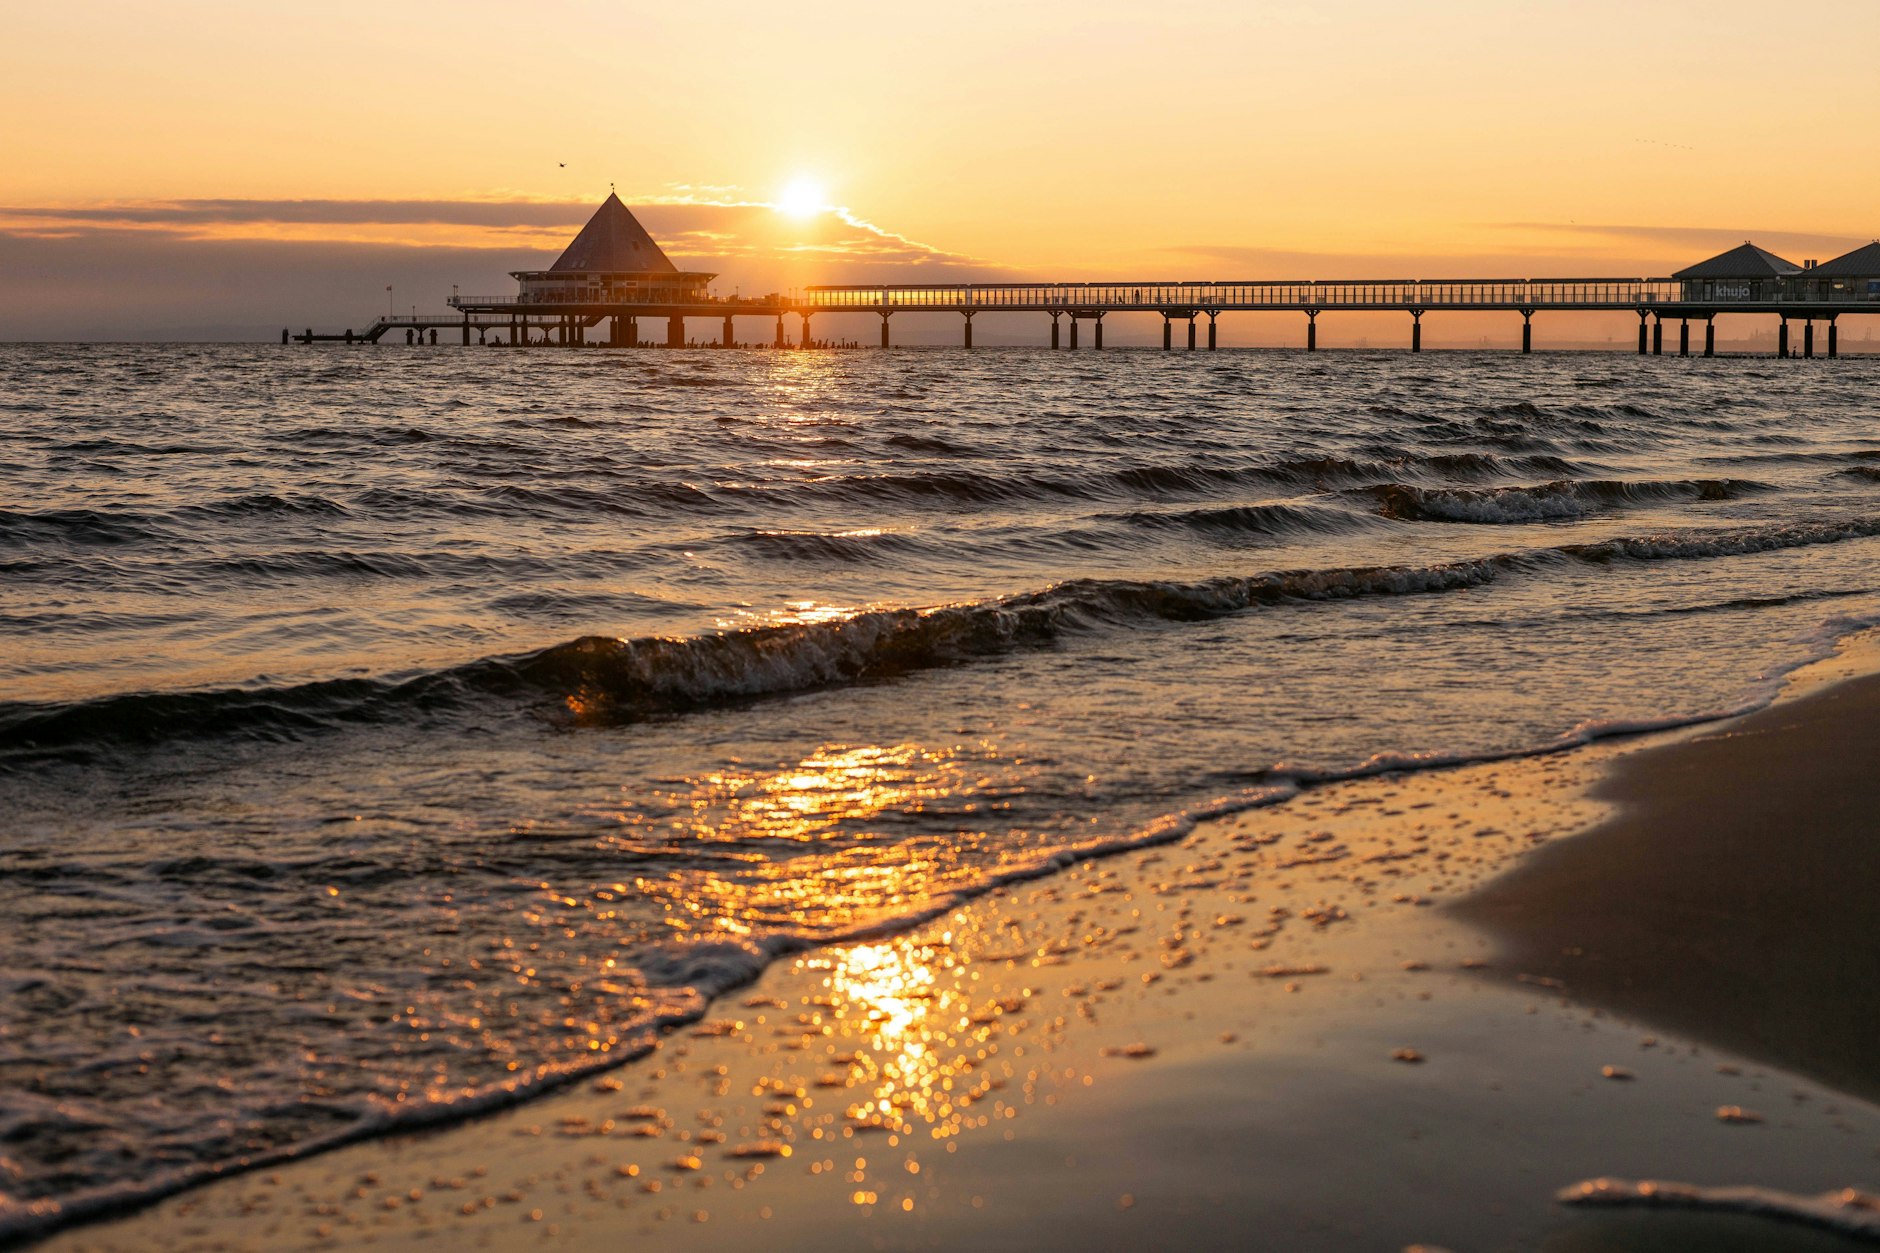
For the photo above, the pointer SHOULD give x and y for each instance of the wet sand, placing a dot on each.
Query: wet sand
(1735, 895)
(1271, 1034)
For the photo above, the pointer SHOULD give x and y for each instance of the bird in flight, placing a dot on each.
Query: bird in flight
(563, 164)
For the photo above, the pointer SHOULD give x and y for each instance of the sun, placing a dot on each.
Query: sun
(803, 197)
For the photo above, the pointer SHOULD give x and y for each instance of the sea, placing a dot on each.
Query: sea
(388, 734)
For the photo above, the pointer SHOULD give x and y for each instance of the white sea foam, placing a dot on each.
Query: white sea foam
(1847, 1212)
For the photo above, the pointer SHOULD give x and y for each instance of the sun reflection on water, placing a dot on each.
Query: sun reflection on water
(823, 845)
(927, 1044)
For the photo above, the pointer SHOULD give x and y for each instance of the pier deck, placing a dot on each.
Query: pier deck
(1654, 300)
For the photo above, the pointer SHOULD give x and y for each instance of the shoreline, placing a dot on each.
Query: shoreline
(1741, 915)
(1283, 954)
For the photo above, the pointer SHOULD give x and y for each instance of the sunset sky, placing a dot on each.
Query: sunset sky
(226, 168)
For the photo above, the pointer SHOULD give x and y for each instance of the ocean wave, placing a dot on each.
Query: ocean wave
(75, 526)
(600, 679)
(1560, 500)
(1724, 542)
(824, 546)
(1154, 481)
(1274, 519)
(262, 505)
(114, 527)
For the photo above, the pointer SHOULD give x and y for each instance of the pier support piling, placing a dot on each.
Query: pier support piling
(1213, 344)
(1527, 330)
(1191, 332)
(1710, 337)
(1168, 332)
(1096, 343)
(729, 338)
(780, 343)
(1684, 337)
(1416, 330)
(805, 342)
(1312, 331)
(1073, 332)
(1658, 336)
(1808, 339)
(969, 330)
(1642, 316)
(1054, 330)
(1782, 340)
(1834, 340)
(675, 332)
(884, 330)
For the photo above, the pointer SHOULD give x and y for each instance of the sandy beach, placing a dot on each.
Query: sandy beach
(1732, 897)
(1402, 1011)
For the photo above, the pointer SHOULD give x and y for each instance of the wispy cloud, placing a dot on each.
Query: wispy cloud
(1491, 261)
(238, 268)
(1689, 238)
(690, 222)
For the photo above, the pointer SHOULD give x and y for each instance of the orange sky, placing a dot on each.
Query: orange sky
(1252, 139)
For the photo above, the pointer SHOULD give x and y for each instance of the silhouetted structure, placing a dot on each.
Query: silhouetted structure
(613, 272)
(612, 261)
(1851, 276)
(1745, 272)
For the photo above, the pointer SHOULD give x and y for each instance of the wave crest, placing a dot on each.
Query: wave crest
(1560, 500)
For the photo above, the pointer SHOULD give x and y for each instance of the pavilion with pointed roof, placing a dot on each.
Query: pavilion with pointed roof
(612, 261)
(1851, 276)
(1745, 272)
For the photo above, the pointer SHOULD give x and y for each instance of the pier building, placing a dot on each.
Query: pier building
(613, 274)
(1851, 276)
(612, 261)
(1745, 272)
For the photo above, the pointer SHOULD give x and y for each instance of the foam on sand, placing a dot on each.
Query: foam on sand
(1846, 1212)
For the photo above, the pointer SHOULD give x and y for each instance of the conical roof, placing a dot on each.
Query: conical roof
(1745, 260)
(614, 242)
(1863, 262)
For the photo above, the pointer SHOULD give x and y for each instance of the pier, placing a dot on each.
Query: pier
(613, 277)
(1069, 306)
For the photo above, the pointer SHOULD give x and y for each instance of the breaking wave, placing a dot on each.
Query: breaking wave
(1560, 500)
(602, 679)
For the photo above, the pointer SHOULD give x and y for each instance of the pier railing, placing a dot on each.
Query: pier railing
(1539, 293)
(1183, 298)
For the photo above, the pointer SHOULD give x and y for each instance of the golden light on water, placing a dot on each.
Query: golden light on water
(831, 794)
(805, 612)
(890, 986)
(825, 821)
